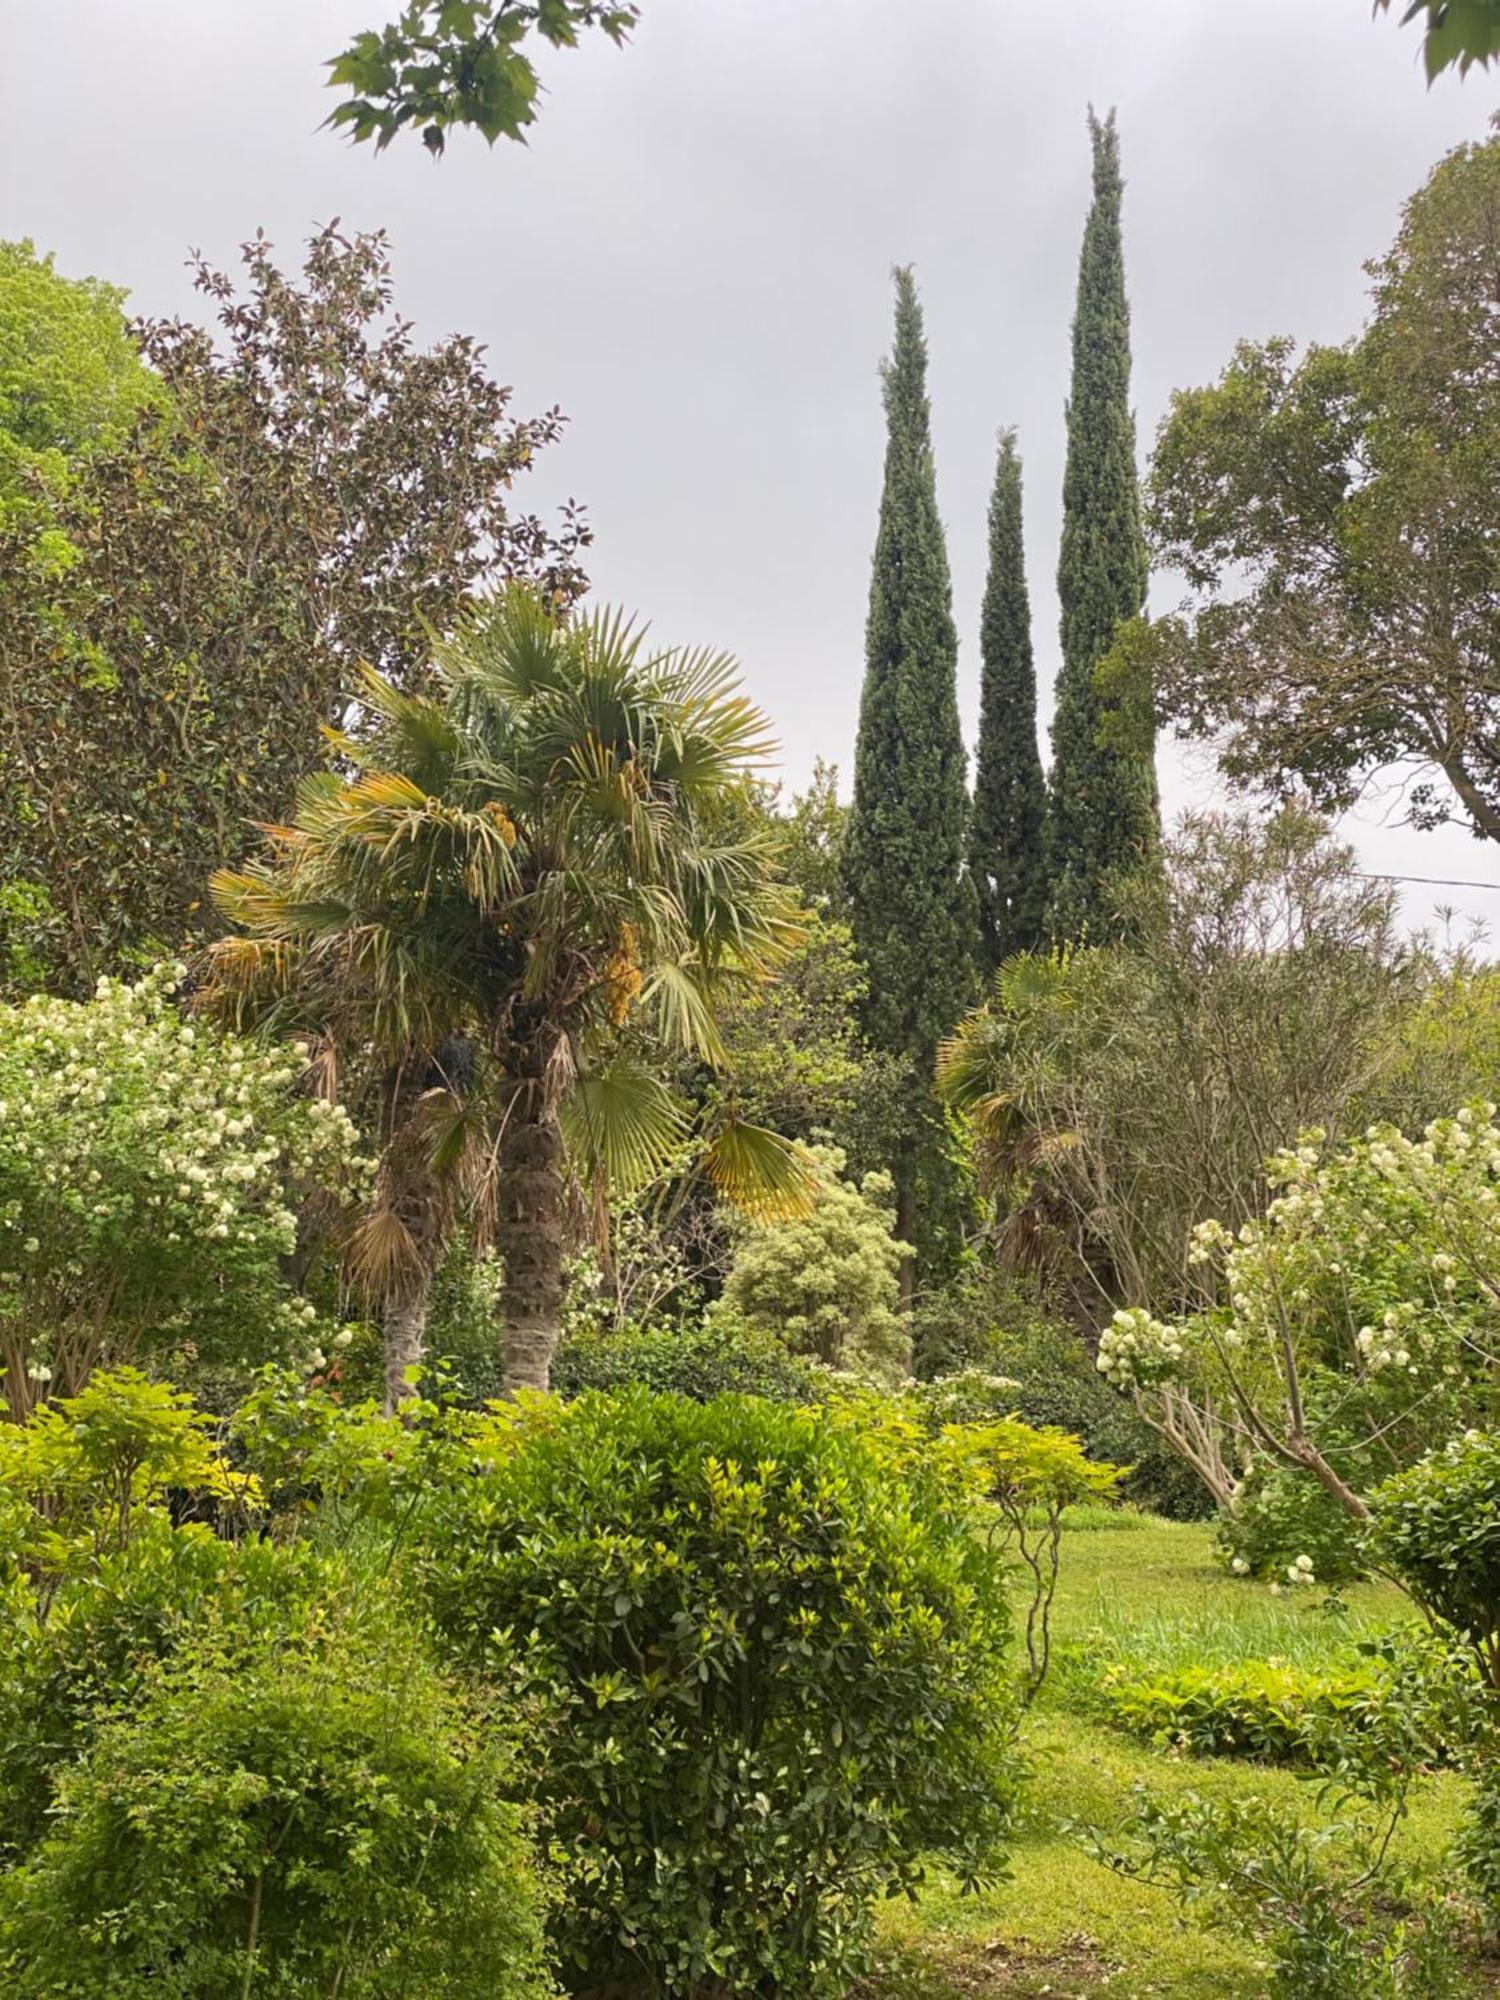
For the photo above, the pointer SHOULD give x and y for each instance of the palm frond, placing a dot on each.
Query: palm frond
(678, 996)
(622, 1124)
(506, 650)
(760, 1172)
(381, 1257)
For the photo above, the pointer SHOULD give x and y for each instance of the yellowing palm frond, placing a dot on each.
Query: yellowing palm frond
(760, 1172)
(381, 1256)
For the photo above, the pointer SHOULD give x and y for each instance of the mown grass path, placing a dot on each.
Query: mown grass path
(1064, 1925)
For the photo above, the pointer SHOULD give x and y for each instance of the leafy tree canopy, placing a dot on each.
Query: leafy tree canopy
(1338, 519)
(312, 489)
(71, 377)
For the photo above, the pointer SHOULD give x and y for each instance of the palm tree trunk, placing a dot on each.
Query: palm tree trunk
(404, 1326)
(530, 1237)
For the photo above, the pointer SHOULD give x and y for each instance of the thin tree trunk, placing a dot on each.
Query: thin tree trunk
(404, 1326)
(530, 1237)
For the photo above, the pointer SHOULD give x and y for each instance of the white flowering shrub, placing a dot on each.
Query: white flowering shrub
(827, 1283)
(1136, 1350)
(151, 1172)
(1358, 1320)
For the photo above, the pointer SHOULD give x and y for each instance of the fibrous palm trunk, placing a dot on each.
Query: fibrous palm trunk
(415, 1204)
(404, 1328)
(530, 1232)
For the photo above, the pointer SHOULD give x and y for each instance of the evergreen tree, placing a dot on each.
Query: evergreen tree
(1007, 858)
(910, 905)
(1102, 804)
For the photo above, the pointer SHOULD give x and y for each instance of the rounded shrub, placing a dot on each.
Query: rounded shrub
(298, 1823)
(1437, 1525)
(1284, 1527)
(718, 1357)
(765, 1653)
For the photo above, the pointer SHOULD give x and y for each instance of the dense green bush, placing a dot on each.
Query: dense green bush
(306, 1818)
(766, 1656)
(224, 1758)
(1437, 1525)
(721, 1357)
(1280, 1521)
(1262, 1709)
(827, 1283)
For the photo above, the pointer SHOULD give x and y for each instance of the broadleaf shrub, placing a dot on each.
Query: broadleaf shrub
(297, 1821)
(718, 1357)
(1437, 1525)
(230, 1766)
(1260, 1709)
(770, 1656)
(1334, 1915)
(1280, 1519)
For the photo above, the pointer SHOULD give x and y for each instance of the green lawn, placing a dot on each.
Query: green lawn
(1064, 1925)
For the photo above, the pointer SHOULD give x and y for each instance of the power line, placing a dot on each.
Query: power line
(1432, 881)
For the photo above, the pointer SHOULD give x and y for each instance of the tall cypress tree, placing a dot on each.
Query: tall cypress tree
(911, 909)
(1007, 833)
(1102, 798)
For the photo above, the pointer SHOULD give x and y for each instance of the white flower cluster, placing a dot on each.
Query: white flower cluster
(1399, 1341)
(1207, 1241)
(1135, 1349)
(132, 1142)
(1301, 1571)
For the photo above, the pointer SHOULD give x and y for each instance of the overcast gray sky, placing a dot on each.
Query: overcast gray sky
(692, 257)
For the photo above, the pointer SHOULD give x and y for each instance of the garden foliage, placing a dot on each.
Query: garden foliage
(152, 1175)
(767, 1660)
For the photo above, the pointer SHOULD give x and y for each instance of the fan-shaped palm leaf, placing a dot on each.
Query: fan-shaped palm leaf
(760, 1171)
(622, 1124)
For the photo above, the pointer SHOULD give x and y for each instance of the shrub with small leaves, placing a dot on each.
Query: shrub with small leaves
(827, 1283)
(1279, 1521)
(1437, 1525)
(770, 1653)
(300, 1819)
(229, 1766)
(1336, 1917)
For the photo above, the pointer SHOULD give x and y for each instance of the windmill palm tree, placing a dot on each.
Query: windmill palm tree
(998, 1068)
(507, 870)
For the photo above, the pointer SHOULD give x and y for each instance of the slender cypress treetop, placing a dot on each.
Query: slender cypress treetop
(1102, 804)
(1007, 833)
(911, 908)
